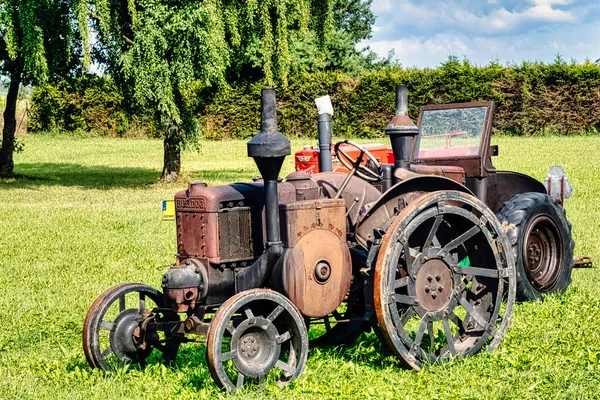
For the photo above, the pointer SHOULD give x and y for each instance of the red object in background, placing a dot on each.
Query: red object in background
(307, 159)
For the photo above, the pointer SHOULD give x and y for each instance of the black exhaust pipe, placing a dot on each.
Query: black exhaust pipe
(325, 164)
(402, 130)
(268, 149)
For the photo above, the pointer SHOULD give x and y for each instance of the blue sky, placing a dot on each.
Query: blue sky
(423, 33)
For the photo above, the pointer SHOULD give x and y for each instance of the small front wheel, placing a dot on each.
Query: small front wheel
(252, 334)
(125, 324)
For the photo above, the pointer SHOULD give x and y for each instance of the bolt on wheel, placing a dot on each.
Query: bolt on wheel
(257, 335)
(444, 286)
(124, 326)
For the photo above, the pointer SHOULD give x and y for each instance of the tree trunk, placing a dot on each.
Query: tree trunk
(172, 159)
(10, 126)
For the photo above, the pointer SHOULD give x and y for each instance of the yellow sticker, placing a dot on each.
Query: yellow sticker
(168, 210)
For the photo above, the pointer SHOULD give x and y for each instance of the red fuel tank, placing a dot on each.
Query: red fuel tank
(307, 159)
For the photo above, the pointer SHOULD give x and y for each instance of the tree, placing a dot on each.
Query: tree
(161, 52)
(37, 42)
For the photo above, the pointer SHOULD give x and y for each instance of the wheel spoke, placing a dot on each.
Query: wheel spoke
(449, 337)
(460, 240)
(122, 303)
(432, 232)
(230, 329)
(473, 313)
(142, 302)
(398, 283)
(431, 336)
(407, 316)
(248, 313)
(286, 367)
(457, 321)
(274, 314)
(403, 299)
(407, 255)
(240, 380)
(477, 271)
(420, 333)
(107, 352)
(284, 337)
(230, 355)
(108, 325)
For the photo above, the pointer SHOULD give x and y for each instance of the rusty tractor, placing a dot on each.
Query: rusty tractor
(453, 141)
(425, 263)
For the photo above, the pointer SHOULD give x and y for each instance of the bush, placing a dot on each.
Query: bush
(531, 99)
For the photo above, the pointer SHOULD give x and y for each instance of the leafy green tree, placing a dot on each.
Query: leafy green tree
(37, 43)
(163, 52)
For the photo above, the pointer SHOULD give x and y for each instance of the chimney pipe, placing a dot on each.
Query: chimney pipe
(325, 110)
(269, 148)
(402, 130)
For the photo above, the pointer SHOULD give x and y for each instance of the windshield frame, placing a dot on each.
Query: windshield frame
(484, 143)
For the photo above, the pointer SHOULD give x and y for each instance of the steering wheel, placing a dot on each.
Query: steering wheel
(356, 166)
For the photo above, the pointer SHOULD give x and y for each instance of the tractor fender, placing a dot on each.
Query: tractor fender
(380, 214)
(504, 185)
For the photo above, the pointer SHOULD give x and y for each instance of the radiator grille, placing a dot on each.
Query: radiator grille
(235, 235)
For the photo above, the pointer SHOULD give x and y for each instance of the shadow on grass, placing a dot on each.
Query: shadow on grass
(103, 177)
(91, 177)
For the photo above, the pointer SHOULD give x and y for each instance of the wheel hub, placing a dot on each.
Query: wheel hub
(433, 285)
(255, 341)
(542, 254)
(122, 340)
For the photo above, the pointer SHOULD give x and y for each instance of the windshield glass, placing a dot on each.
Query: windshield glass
(454, 132)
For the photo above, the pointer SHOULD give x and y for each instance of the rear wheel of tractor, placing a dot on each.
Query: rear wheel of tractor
(541, 240)
(444, 285)
(256, 335)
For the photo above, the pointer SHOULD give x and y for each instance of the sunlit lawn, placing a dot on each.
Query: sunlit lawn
(87, 216)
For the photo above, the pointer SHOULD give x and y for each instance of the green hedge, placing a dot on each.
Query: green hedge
(531, 99)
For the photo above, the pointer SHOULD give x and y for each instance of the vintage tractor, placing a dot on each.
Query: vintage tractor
(425, 264)
(453, 140)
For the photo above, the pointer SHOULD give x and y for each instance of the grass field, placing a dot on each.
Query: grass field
(87, 216)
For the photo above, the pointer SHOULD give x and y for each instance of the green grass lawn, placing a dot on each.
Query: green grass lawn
(87, 216)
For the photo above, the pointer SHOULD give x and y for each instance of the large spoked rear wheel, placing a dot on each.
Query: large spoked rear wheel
(540, 234)
(444, 284)
(125, 325)
(257, 335)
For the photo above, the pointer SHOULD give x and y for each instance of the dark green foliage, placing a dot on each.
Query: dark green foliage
(531, 99)
(87, 104)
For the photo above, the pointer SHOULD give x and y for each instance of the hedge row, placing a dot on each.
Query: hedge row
(531, 99)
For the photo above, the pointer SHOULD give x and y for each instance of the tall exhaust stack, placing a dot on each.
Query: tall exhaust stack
(268, 149)
(402, 130)
(325, 110)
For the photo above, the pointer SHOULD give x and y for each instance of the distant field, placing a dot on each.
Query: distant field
(87, 216)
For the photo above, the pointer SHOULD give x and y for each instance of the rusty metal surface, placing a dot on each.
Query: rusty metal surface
(381, 213)
(583, 262)
(453, 172)
(503, 186)
(306, 188)
(358, 193)
(317, 270)
(200, 209)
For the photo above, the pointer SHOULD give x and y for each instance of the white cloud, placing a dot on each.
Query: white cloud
(441, 16)
(424, 33)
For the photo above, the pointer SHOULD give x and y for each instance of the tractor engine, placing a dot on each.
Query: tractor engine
(268, 233)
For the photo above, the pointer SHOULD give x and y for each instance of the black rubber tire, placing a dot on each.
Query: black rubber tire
(516, 217)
